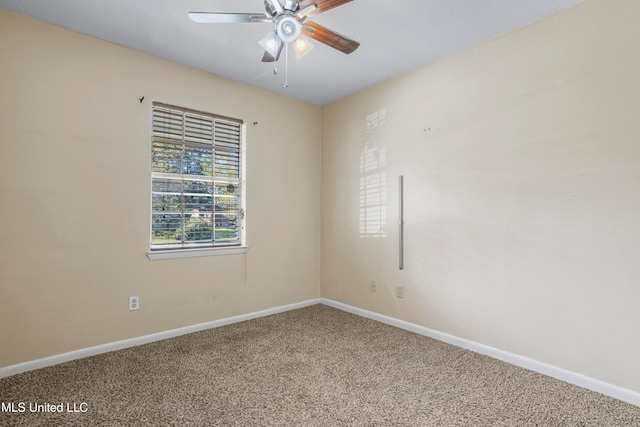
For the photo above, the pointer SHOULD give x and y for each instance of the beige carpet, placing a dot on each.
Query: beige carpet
(317, 366)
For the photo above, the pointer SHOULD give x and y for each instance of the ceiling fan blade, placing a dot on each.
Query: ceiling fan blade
(330, 38)
(322, 5)
(228, 18)
(306, 11)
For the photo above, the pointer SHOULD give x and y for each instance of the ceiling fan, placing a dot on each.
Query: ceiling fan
(291, 26)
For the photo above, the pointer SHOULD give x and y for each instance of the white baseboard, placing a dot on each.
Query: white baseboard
(132, 342)
(580, 380)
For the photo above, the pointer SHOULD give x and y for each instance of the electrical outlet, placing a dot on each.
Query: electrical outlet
(134, 303)
(400, 291)
(373, 286)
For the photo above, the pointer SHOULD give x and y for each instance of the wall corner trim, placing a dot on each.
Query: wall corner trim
(570, 377)
(7, 371)
(580, 380)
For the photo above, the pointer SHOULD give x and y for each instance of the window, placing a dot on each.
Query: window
(196, 179)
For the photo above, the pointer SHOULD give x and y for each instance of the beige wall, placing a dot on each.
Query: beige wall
(75, 196)
(521, 161)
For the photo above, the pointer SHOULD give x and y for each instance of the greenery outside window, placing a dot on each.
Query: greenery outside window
(196, 179)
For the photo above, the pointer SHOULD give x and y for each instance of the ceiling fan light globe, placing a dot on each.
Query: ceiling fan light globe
(272, 44)
(302, 46)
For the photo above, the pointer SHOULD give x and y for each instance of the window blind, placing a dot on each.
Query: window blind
(196, 176)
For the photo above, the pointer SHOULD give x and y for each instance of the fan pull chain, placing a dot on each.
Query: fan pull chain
(286, 66)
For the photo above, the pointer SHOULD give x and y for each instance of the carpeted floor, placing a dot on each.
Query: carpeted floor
(316, 366)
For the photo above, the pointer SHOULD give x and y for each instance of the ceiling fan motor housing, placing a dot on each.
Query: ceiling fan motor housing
(288, 28)
(291, 5)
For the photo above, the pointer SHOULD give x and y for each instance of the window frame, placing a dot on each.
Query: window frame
(196, 249)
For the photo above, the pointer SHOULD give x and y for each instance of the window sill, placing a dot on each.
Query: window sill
(196, 252)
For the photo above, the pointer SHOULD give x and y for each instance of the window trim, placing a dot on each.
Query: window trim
(223, 248)
(195, 252)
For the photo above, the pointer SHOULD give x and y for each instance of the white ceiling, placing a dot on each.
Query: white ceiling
(395, 36)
